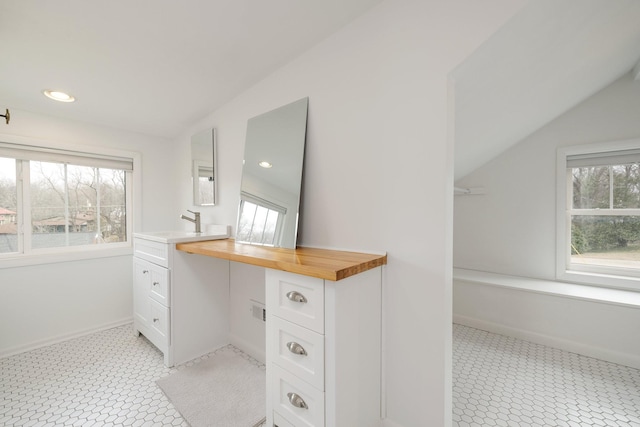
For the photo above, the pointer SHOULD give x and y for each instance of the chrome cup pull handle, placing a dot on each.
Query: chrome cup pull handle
(296, 348)
(296, 297)
(297, 401)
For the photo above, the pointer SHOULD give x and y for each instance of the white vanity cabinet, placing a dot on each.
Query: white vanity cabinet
(151, 287)
(323, 331)
(180, 301)
(152, 293)
(323, 349)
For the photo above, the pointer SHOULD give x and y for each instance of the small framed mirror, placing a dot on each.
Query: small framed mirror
(203, 166)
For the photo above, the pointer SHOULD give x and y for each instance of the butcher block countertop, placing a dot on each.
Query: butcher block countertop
(321, 263)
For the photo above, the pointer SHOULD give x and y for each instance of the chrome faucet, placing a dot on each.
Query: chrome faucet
(195, 220)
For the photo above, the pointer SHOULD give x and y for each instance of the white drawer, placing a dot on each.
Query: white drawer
(159, 324)
(280, 421)
(299, 299)
(291, 339)
(160, 284)
(156, 252)
(285, 385)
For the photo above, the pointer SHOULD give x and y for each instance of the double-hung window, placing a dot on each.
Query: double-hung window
(599, 214)
(58, 201)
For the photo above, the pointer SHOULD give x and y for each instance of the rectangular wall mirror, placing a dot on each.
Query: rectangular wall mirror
(272, 176)
(203, 166)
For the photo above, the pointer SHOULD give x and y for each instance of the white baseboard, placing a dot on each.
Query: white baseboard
(247, 347)
(64, 337)
(632, 360)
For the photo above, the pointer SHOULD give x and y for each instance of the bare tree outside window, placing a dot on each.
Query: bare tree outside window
(76, 205)
(8, 206)
(61, 201)
(605, 227)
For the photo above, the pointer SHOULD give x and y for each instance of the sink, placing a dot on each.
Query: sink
(212, 232)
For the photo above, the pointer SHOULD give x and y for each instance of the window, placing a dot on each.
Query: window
(599, 223)
(260, 221)
(55, 201)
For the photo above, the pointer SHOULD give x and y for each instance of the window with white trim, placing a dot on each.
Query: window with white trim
(62, 201)
(599, 222)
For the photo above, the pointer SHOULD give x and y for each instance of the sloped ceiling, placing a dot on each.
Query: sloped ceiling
(152, 66)
(548, 58)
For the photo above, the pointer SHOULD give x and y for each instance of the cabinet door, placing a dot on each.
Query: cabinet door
(141, 288)
(160, 284)
(159, 334)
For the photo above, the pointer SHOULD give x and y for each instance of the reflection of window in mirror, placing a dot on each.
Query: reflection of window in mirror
(205, 184)
(203, 151)
(260, 222)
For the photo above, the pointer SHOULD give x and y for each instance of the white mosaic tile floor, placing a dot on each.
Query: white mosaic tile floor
(104, 379)
(108, 379)
(503, 381)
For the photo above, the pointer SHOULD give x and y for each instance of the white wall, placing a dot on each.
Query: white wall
(512, 228)
(49, 302)
(378, 171)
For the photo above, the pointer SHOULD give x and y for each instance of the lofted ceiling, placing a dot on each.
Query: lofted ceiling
(152, 66)
(156, 67)
(548, 58)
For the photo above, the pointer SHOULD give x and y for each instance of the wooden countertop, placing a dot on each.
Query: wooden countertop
(322, 263)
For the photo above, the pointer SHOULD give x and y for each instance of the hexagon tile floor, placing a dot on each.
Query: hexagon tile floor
(503, 381)
(103, 379)
(108, 379)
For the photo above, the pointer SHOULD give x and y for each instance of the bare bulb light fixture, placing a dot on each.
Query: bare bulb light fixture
(58, 95)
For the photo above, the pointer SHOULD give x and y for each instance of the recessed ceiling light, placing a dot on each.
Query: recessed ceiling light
(265, 164)
(58, 96)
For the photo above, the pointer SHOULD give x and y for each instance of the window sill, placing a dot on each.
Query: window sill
(12, 261)
(626, 298)
(599, 279)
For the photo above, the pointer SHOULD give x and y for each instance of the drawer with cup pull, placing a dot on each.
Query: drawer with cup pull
(298, 350)
(299, 299)
(297, 401)
(280, 421)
